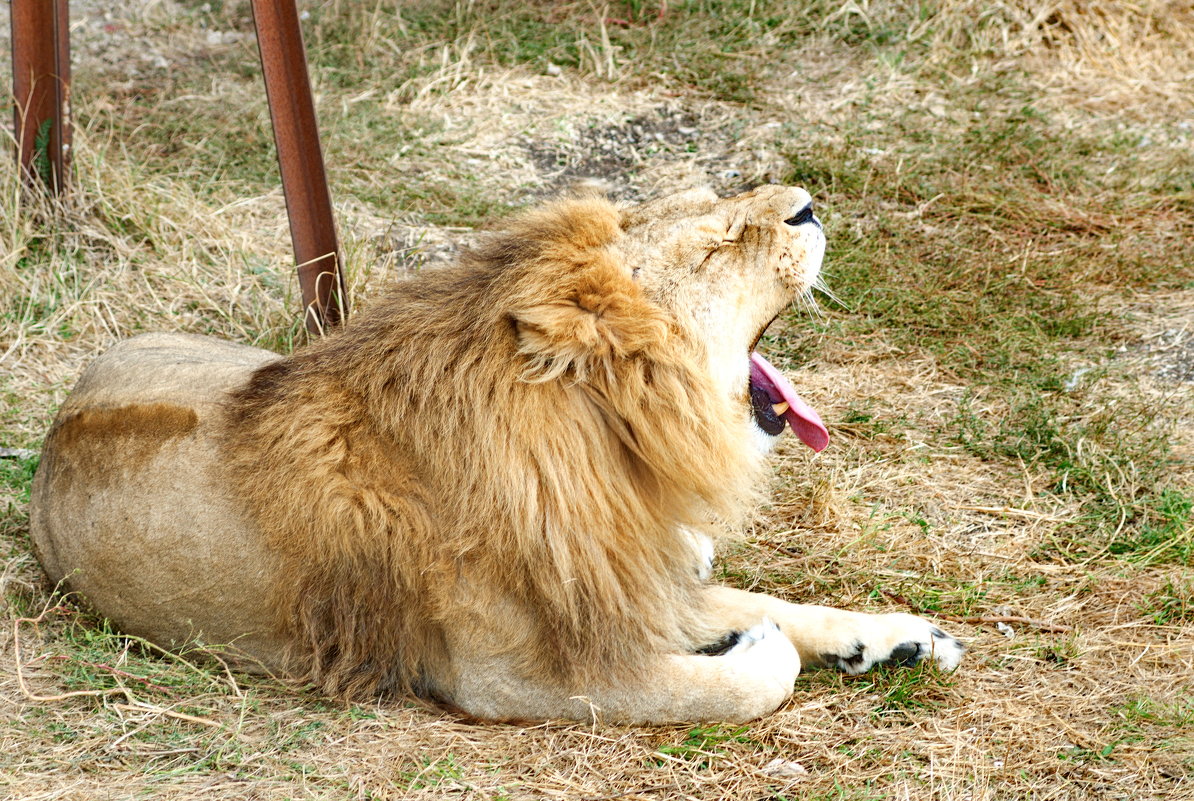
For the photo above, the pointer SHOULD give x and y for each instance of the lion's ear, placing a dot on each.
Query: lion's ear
(602, 320)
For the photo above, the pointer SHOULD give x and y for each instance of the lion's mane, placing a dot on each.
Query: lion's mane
(525, 430)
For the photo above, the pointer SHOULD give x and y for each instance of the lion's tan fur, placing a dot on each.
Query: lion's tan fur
(527, 429)
(492, 488)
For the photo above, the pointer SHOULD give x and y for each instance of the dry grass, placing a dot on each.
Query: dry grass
(1007, 190)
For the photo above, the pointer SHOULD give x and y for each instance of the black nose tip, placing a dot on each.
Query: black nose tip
(805, 215)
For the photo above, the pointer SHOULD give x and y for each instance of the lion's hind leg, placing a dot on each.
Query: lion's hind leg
(853, 642)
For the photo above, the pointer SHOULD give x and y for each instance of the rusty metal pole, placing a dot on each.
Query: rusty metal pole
(304, 182)
(41, 88)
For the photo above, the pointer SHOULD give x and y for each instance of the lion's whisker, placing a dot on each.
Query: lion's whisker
(821, 286)
(809, 301)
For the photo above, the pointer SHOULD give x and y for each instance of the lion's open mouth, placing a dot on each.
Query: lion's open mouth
(774, 401)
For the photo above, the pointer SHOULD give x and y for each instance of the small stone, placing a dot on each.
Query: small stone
(785, 769)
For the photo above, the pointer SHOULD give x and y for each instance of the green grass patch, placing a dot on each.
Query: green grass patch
(701, 45)
(16, 479)
(1115, 460)
(862, 421)
(434, 773)
(214, 134)
(89, 655)
(704, 744)
(841, 792)
(1058, 652)
(1141, 710)
(1171, 605)
(1098, 754)
(1167, 533)
(952, 597)
(719, 49)
(898, 691)
(16, 476)
(171, 708)
(221, 145)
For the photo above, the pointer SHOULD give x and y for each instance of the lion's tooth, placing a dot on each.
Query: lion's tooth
(780, 408)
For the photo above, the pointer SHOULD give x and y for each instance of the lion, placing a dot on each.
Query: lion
(495, 489)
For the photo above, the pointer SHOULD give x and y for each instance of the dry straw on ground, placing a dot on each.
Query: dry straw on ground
(946, 489)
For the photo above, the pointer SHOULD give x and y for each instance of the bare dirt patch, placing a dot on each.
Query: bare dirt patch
(1165, 327)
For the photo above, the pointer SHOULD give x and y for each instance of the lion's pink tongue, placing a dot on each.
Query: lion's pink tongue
(803, 419)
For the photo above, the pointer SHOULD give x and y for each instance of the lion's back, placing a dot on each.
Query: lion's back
(130, 507)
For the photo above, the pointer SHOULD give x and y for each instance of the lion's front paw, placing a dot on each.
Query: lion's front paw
(765, 646)
(894, 639)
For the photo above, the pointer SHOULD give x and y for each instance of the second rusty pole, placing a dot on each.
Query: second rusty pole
(300, 159)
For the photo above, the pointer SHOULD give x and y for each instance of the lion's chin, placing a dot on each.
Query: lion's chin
(775, 402)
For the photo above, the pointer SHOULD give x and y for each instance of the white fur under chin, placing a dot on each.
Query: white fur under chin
(764, 442)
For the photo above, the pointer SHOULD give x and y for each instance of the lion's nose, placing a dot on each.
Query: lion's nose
(802, 216)
(805, 215)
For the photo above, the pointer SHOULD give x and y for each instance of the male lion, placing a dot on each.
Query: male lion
(494, 489)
